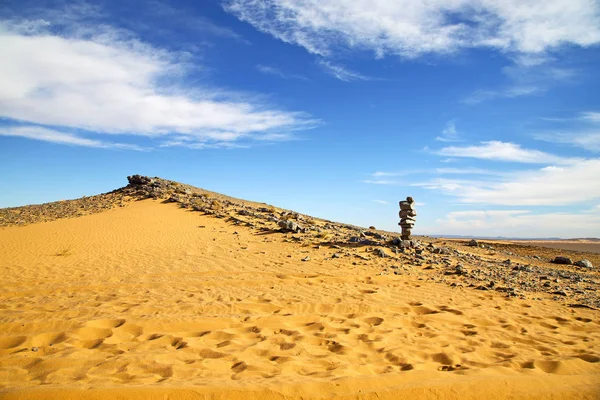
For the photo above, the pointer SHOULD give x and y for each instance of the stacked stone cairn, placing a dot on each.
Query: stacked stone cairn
(407, 217)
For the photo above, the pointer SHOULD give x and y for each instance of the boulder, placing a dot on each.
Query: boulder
(562, 260)
(139, 180)
(289, 226)
(473, 243)
(381, 253)
(374, 234)
(404, 243)
(584, 264)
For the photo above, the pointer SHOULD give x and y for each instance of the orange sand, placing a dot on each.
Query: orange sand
(151, 301)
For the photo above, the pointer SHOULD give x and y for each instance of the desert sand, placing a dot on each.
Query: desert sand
(152, 301)
(575, 245)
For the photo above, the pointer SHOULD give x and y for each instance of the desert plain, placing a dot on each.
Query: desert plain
(160, 290)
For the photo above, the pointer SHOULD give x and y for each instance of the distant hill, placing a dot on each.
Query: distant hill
(514, 238)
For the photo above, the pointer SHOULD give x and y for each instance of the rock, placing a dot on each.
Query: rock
(440, 250)
(372, 228)
(139, 180)
(289, 226)
(34, 349)
(373, 234)
(559, 292)
(307, 258)
(407, 213)
(473, 243)
(359, 240)
(406, 206)
(562, 260)
(459, 270)
(336, 255)
(584, 264)
(381, 253)
(404, 243)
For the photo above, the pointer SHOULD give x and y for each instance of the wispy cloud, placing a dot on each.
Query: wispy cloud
(380, 182)
(405, 172)
(574, 183)
(107, 81)
(480, 96)
(449, 133)
(520, 223)
(585, 140)
(467, 171)
(342, 73)
(592, 116)
(54, 136)
(269, 70)
(191, 23)
(503, 151)
(381, 202)
(411, 28)
(526, 79)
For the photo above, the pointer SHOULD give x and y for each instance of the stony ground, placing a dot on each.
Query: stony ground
(522, 271)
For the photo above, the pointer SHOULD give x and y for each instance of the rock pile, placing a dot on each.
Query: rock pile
(407, 217)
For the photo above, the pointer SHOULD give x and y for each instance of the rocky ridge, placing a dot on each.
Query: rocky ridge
(509, 269)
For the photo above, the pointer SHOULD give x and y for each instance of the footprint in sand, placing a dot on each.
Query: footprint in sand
(442, 358)
(374, 321)
(48, 339)
(591, 358)
(239, 367)
(336, 347)
(10, 342)
(211, 354)
(422, 310)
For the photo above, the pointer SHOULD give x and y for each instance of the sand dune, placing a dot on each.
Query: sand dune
(151, 301)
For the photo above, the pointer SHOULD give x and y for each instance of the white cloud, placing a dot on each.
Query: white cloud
(503, 151)
(585, 140)
(406, 172)
(268, 70)
(480, 96)
(467, 171)
(107, 82)
(381, 202)
(591, 116)
(410, 28)
(520, 223)
(380, 182)
(574, 183)
(449, 133)
(54, 136)
(588, 139)
(342, 73)
(184, 19)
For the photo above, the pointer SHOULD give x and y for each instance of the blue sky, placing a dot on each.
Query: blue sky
(486, 112)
